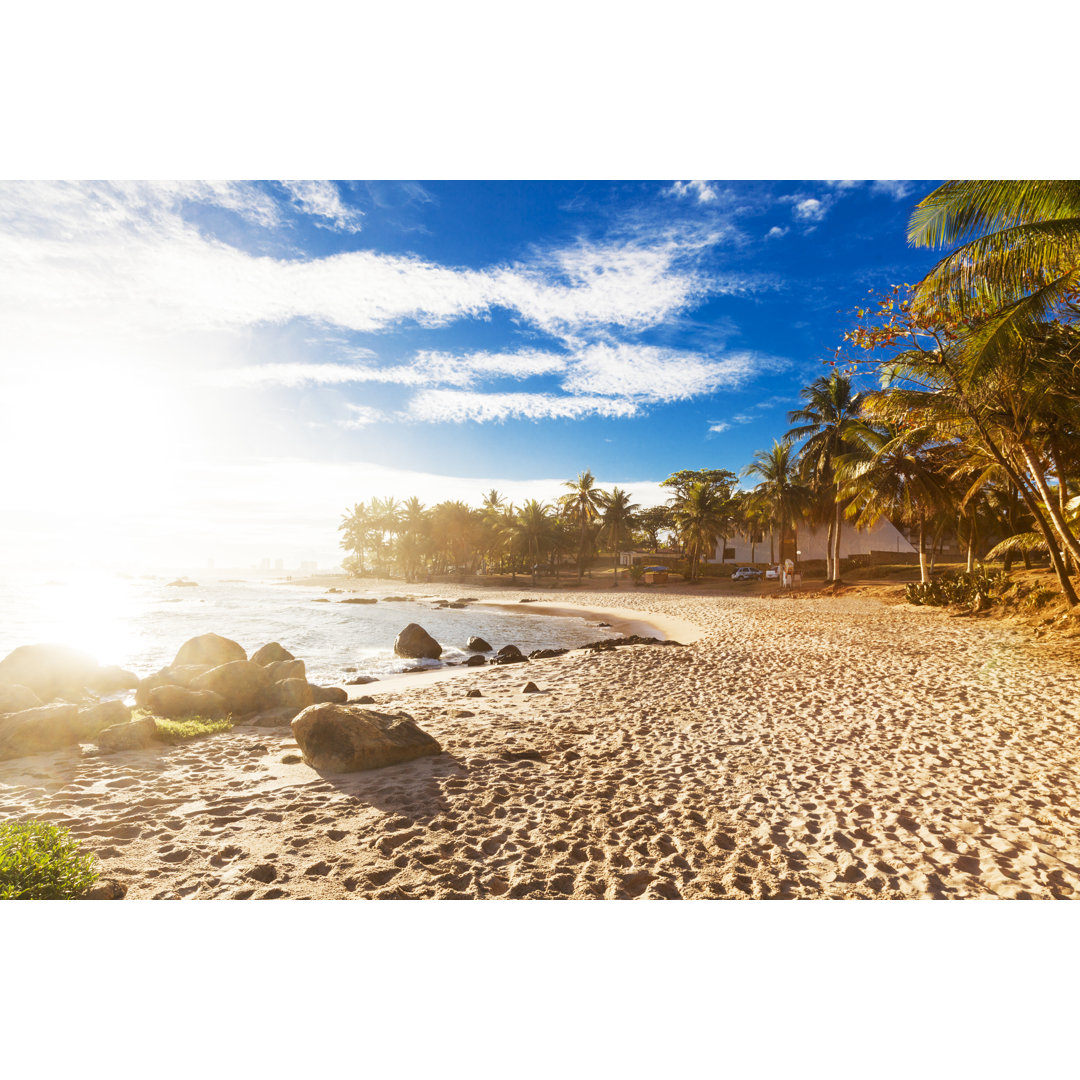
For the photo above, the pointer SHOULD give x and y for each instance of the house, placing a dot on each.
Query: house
(811, 543)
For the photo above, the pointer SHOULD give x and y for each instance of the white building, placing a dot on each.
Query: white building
(811, 543)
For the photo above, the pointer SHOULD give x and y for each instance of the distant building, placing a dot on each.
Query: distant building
(279, 564)
(811, 543)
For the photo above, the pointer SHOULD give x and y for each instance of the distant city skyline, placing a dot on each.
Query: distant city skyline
(215, 370)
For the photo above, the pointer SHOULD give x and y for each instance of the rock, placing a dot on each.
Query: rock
(364, 700)
(291, 759)
(334, 589)
(510, 654)
(137, 735)
(474, 693)
(272, 718)
(359, 600)
(36, 731)
(180, 677)
(530, 688)
(461, 714)
(288, 693)
(465, 600)
(320, 600)
(15, 698)
(477, 644)
(530, 600)
(361, 680)
(271, 654)
(337, 738)
(90, 721)
(176, 701)
(107, 680)
(106, 889)
(49, 670)
(211, 650)
(182, 583)
(455, 605)
(475, 661)
(395, 599)
(286, 669)
(335, 695)
(416, 643)
(544, 654)
(240, 683)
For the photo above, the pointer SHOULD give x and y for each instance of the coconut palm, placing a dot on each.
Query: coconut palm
(534, 528)
(583, 503)
(700, 513)
(619, 518)
(825, 422)
(779, 494)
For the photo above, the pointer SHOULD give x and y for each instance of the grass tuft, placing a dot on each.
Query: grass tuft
(41, 861)
(191, 727)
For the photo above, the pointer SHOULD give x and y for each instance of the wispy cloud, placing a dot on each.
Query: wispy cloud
(809, 210)
(453, 406)
(360, 416)
(776, 232)
(719, 428)
(321, 199)
(702, 189)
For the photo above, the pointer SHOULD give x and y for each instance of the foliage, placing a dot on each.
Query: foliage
(721, 480)
(42, 861)
(637, 573)
(191, 727)
(960, 587)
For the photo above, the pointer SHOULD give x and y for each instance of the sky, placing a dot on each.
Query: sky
(218, 370)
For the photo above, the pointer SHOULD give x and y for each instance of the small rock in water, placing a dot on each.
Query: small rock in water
(360, 680)
(477, 644)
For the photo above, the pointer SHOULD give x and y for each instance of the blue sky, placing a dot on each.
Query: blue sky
(254, 357)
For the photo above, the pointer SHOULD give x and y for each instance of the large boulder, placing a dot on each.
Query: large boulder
(417, 644)
(336, 695)
(49, 670)
(36, 731)
(137, 735)
(107, 680)
(270, 654)
(15, 698)
(340, 738)
(176, 701)
(240, 683)
(97, 717)
(477, 644)
(285, 669)
(211, 650)
(510, 654)
(181, 676)
(288, 693)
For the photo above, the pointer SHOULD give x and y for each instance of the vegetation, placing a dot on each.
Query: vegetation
(41, 861)
(191, 727)
(952, 409)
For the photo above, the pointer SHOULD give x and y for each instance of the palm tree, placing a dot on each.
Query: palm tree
(356, 526)
(700, 512)
(779, 494)
(619, 518)
(831, 410)
(583, 503)
(533, 526)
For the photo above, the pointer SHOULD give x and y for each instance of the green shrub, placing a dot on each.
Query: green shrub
(191, 727)
(40, 861)
(637, 572)
(960, 587)
(1038, 597)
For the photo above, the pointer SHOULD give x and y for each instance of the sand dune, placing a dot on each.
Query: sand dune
(804, 747)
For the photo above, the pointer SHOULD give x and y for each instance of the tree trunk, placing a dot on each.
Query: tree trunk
(1062, 494)
(1063, 530)
(971, 546)
(830, 575)
(924, 575)
(836, 542)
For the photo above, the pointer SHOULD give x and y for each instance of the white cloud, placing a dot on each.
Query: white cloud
(701, 188)
(362, 415)
(776, 232)
(455, 406)
(896, 189)
(719, 428)
(809, 210)
(744, 418)
(320, 198)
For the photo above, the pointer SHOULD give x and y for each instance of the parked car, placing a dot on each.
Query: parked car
(773, 573)
(746, 573)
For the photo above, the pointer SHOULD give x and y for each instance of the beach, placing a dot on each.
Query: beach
(799, 747)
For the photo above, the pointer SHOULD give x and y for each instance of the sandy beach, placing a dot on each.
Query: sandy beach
(805, 747)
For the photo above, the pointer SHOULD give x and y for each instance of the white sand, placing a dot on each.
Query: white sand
(804, 747)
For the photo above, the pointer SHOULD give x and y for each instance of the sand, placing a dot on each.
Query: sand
(807, 747)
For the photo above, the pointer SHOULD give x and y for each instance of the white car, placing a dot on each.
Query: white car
(746, 573)
(773, 573)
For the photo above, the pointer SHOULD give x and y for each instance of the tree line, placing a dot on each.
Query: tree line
(953, 407)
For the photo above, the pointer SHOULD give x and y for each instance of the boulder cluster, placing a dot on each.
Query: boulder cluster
(50, 694)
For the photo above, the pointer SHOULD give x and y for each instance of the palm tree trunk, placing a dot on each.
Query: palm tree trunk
(1037, 475)
(836, 541)
(924, 575)
(971, 546)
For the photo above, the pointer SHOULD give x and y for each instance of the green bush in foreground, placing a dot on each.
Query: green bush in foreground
(960, 587)
(39, 861)
(191, 727)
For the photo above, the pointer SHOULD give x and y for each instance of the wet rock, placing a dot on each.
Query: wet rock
(210, 650)
(510, 654)
(359, 600)
(477, 644)
(360, 680)
(544, 654)
(475, 661)
(416, 643)
(271, 653)
(337, 738)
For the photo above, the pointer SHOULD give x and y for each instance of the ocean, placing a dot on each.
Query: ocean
(140, 623)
